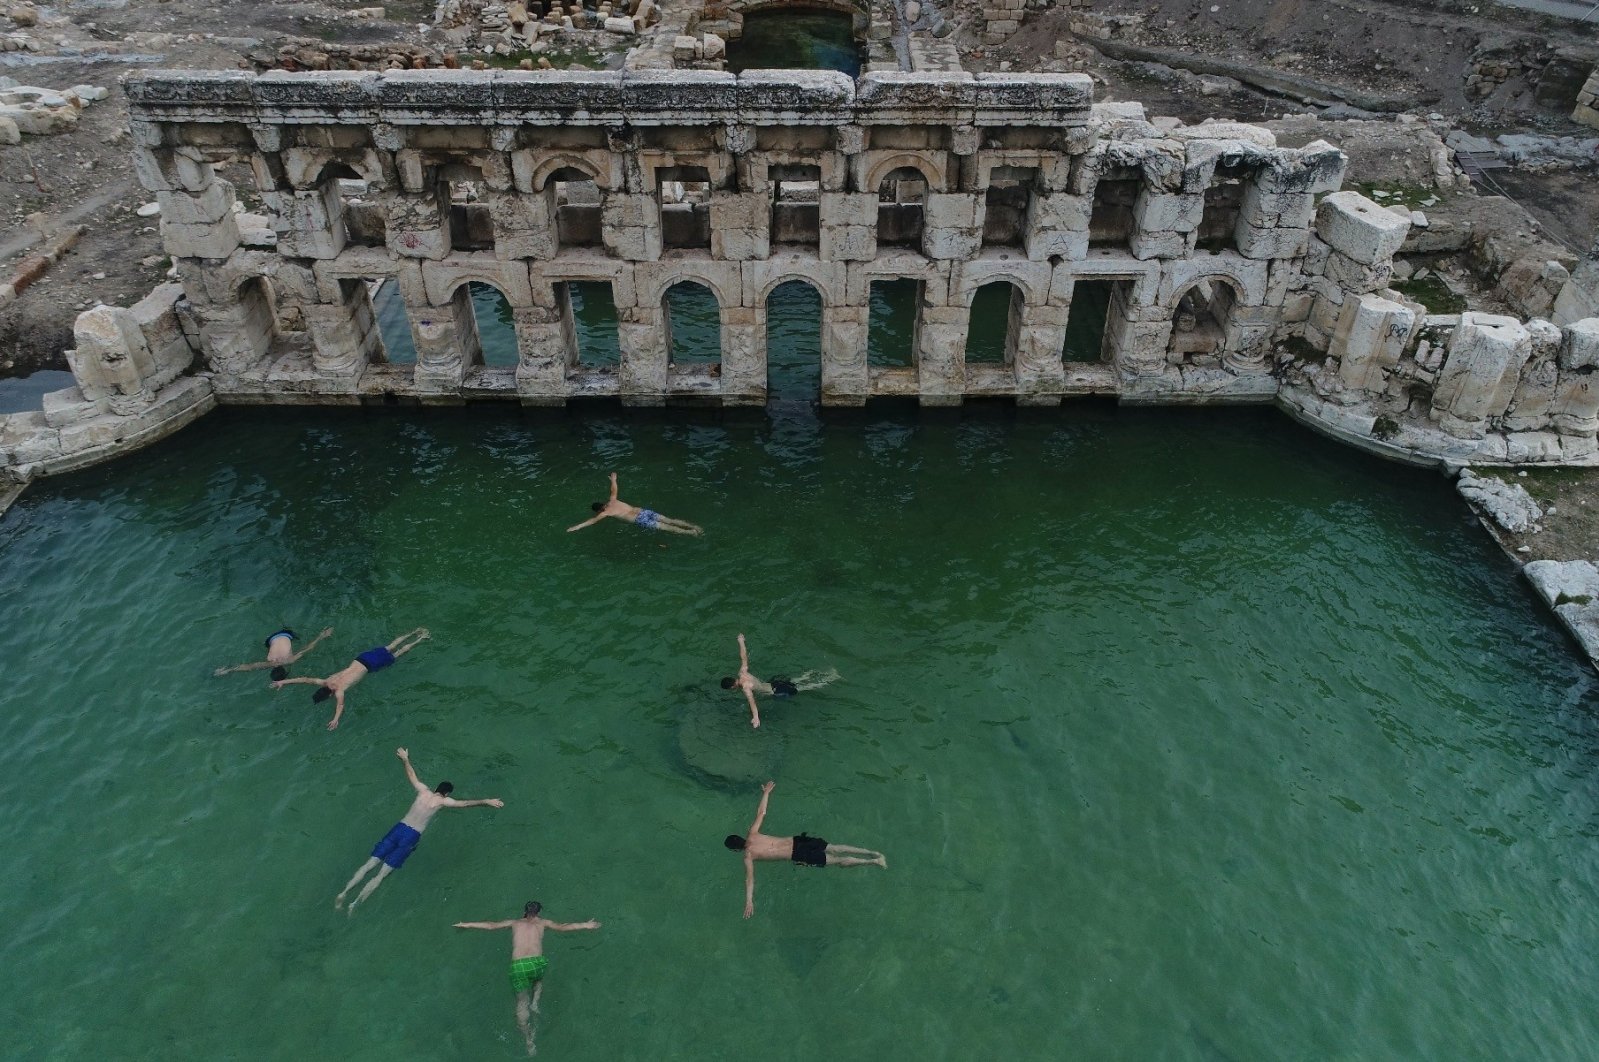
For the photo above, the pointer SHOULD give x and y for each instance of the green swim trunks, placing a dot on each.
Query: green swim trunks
(525, 972)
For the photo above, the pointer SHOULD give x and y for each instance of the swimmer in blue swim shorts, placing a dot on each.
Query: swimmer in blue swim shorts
(398, 844)
(375, 659)
(648, 519)
(279, 654)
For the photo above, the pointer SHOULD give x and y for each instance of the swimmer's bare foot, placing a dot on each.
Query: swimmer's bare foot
(880, 861)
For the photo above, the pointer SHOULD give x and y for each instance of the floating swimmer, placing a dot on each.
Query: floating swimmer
(528, 963)
(398, 844)
(648, 519)
(804, 850)
(778, 687)
(279, 654)
(375, 659)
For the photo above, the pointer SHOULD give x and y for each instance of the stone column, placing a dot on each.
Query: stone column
(644, 355)
(941, 353)
(543, 354)
(1040, 345)
(845, 379)
(1369, 340)
(848, 226)
(1530, 409)
(418, 224)
(744, 355)
(741, 226)
(446, 342)
(952, 225)
(311, 220)
(523, 227)
(1480, 373)
(1057, 224)
(630, 226)
(1272, 224)
(1576, 403)
(1136, 337)
(1164, 223)
(344, 337)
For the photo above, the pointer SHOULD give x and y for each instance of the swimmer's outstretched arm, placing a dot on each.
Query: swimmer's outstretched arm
(410, 772)
(613, 486)
(760, 812)
(338, 710)
(749, 885)
(301, 681)
(485, 925)
(743, 654)
(256, 665)
(567, 927)
(491, 802)
(596, 518)
(755, 713)
(311, 644)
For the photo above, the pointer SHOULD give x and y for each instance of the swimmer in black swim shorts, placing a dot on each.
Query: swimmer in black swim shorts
(804, 850)
(779, 688)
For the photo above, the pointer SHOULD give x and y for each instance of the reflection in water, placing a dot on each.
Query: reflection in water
(796, 39)
(695, 323)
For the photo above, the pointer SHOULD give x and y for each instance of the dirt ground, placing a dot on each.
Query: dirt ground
(1569, 498)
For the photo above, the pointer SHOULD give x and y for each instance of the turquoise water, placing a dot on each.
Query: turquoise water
(796, 38)
(1187, 735)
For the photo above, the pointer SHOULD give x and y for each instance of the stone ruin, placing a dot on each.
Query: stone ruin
(1228, 269)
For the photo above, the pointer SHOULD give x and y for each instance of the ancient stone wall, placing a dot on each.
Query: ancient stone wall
(1587, 110)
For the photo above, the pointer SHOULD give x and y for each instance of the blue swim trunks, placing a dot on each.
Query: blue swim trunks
(376, 659)
(648, 519)
(284, 633)
(397, 845)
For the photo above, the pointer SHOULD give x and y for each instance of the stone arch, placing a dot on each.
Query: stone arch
(1035, 293)
(553, 164)
(1202, 317)
(830, 295)
(1247, 278)
(703, 339)
(922, 162)
(665, 282)
(1013, 295)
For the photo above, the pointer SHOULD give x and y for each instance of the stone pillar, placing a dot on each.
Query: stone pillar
(523, 227)
(1362, 238)
(418, 224)
(1587, 109)
(1531, 408)
(845, 378)
(344, 338)
(542, 354)
(848, 227)
(111, 360)
(1369, 340)
(311, 221)
(952, 225)
(1057, 224)
(446, 342)
(644, 355)
(1576, 403)
(630, 226)
(1136, 337)
(1164, 223)
(1040, 345)
(1272, 224)
(741, 225)
(199, 224)
(744, 355)
(941, 353)
(1480, 373)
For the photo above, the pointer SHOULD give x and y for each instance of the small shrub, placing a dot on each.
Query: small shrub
(1572, 599)
(1384, 428)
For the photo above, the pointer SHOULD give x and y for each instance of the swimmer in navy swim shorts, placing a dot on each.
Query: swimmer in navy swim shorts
(375, 659)
(279, 654)
(648, 519)
(398, 844)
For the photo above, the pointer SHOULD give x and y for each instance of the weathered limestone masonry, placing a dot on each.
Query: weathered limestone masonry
(951, 181)
(1221, 267)
(1587, 110)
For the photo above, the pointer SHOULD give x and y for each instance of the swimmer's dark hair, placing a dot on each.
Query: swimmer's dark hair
(735, 842)
(598, 507)
(728, 682)
(320, 694)
(532, 909)
(445, 788)
(279, 674)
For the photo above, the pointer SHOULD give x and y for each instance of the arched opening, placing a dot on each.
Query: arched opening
(796, 204)
(901, 195)
(891, 323)
(574, 201)
(692, 323)
(589, 325)
(1199, 324)
(1223, 198)
(378, 302)
(995, 323)
(471, 222)
(796, 38)
(495, 326)
(684, 193)
(1085, 321)
(1009, 194)
(794, 341)
(1110, 225)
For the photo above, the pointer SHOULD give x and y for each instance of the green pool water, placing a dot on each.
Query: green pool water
(1188, 735)
(796, 38)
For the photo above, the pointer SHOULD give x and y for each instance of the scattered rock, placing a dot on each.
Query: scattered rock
(1507, 504)
(148, 210)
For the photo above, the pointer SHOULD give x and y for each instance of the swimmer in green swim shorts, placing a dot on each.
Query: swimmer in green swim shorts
(528, 963)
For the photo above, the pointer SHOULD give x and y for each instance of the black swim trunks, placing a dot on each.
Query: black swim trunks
(809, 851)
(782, 687)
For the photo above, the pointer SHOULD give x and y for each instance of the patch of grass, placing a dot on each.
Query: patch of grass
(1572, 599)
(1549, 484)
(1410, 195)
(1384, 428)
(1301, 350)
(1432, 293)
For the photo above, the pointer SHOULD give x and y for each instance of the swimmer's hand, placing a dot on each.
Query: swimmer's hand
(768, 787)
(495, 802)
(325, 632)
(278, 685)
(333, 724)
(404, 754)
(220, 671)
(749, 909)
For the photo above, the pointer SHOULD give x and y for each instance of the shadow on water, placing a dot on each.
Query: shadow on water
(796, 39)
